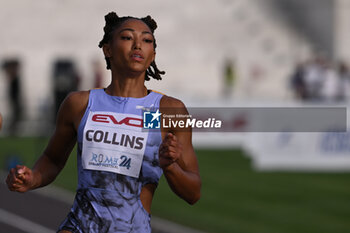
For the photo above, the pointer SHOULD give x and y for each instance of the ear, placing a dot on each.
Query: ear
(107, 50)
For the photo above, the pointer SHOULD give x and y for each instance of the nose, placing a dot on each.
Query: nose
(137, 43)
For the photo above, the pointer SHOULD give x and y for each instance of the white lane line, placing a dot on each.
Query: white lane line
(22, 223)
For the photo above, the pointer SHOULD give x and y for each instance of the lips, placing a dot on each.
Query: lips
(137, 56)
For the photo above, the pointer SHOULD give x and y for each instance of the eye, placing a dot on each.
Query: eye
(148, 40)
(126, 37)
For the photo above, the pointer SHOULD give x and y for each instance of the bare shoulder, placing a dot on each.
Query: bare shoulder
(172, 107)
(76, 101)
(78, 98)
(171, 102)
(73, 107)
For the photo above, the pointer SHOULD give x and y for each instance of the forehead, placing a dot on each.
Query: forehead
(135, 24)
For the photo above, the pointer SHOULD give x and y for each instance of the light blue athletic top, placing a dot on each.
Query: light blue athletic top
(108, 201)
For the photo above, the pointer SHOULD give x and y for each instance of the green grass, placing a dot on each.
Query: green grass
(237, 199)
(234, 197)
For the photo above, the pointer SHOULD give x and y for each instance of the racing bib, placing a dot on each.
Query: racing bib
(114, 142)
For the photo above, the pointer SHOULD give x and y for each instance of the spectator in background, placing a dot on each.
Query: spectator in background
(11, 68)
(314, 77)
(298, 82)
(319, 80)
(66, 80)
(344, 79)
(229, 78)
(330, 89)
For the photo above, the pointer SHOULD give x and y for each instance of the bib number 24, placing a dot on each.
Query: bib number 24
(125, 161)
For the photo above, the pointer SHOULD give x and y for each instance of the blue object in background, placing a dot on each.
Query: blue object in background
(11, 161)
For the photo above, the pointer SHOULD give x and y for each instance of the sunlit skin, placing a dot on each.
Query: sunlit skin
(131, 52)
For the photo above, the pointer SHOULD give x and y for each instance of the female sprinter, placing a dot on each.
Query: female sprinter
(119, 163)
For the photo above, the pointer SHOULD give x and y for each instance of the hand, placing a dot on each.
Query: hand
(169, 151)
(20, 179)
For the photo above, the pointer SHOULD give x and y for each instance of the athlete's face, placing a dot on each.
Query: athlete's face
(131, 48)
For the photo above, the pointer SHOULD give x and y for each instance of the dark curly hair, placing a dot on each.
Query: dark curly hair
(113, 21)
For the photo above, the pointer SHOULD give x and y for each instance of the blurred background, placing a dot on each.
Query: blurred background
(224, 53)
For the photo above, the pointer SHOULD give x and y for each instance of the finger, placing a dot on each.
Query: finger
(20, 177)
(15, 189)
(165, 153)
(22, 172)
(171, 155)
(173, 143)
(10, 181)
(19, 181)
(20, 169)
(161, 148)
(174, 155)
(172, 137)
(172, 149)
(165, 149)
(165, 144)
(20, 188)
(11, 188)
(16, 186)
(12, 171)
(12, 177)
(170, 142)
(165, 162)
(12, 185)
(170, 146)
(168, 136)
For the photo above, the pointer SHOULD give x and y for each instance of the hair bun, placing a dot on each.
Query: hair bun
(150, 22)
(111, 17)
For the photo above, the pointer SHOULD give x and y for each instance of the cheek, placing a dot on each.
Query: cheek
(120, 47)
(150, 60)
(119, 53)
(151, 53)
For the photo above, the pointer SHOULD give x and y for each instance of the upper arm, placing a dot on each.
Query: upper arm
(172, 106)
(65, 134)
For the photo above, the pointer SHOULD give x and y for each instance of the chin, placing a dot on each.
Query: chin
(138, 69)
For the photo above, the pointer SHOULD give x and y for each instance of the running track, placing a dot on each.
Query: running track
(41, 211)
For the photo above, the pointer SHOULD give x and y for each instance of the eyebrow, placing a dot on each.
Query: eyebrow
(132, 30)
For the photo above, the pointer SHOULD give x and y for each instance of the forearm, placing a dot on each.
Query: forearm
(185, 184)
(45, 171)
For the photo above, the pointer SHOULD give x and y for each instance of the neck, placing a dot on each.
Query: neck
(131, 85)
